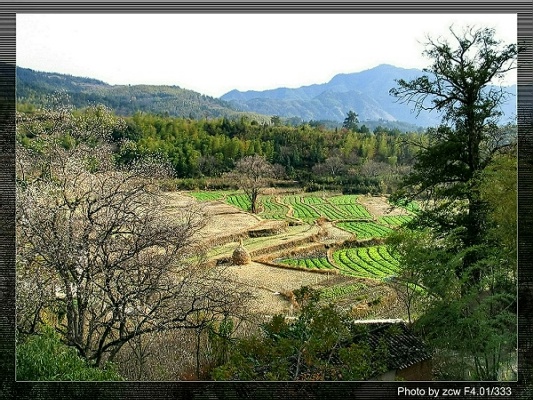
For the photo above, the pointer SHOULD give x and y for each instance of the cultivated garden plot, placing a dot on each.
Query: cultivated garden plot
(239, 200)
(307, 207)
(223, 220)
(312, 263)
(208, 196)
(347, 212)
(272, 208)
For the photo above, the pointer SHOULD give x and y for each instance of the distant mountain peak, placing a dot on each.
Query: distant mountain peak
(365, 92)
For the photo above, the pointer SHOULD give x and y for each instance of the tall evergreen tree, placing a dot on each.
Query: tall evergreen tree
(458, 84)
(469, 282)
(350, 122)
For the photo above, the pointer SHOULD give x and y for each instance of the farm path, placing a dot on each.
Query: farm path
(268, 282)
(378, 206)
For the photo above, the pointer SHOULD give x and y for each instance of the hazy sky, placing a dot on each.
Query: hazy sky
(215, 53)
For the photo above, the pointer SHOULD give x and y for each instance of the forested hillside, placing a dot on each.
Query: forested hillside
(367, 92)
(35, 88)
(312, 156)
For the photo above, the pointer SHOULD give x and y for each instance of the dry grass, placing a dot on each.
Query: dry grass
(268, 283)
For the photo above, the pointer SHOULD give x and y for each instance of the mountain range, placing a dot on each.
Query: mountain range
(366, 93)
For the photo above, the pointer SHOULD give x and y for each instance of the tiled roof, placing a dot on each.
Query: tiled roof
(404, 348)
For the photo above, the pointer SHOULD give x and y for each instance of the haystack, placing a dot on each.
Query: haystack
(241, 256)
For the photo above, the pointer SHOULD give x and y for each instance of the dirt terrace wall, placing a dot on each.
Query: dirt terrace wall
(295, 268)
(268, 228)
(292, 252)
(284, 246)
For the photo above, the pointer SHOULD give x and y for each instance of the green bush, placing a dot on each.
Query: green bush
(44, 357)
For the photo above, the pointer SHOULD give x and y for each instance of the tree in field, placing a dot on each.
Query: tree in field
(331, 167)
(471, 316)
(350, 122)
(251, 174)
(408, 282)
(275, 120)
(98, 257)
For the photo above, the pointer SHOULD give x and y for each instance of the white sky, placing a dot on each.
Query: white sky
(215, 53)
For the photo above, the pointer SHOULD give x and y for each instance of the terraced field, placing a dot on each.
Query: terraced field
(349, 207)
(239, 200)
(366, 262)
(307, 207)
(364, 217)
(300, 209)
(365, 230)
(272, 209)
(309, 263)
(395, 220)
(208, 196)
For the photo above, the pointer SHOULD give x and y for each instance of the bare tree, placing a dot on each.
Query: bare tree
(251, 174)
(96, 243)
(332, 166)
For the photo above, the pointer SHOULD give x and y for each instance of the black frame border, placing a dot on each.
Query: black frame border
(9, 388)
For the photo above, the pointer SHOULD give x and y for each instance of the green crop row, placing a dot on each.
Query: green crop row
(371, 256)
(383, 253)
(331, 212)
(301, 210)
(343, 199)
(354, 211)
(365, 230)
(366, 262)
(239, 200)
(310, 263)
(272, 209)
(349, 266)
(395, 220)
(312, 200)
(306, 207)
(335, 208)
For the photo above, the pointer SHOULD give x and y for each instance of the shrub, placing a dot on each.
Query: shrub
(44, 357)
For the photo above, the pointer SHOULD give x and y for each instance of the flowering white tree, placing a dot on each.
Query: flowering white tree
(96, 249)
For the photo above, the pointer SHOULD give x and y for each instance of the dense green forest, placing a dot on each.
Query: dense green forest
(315, 157)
